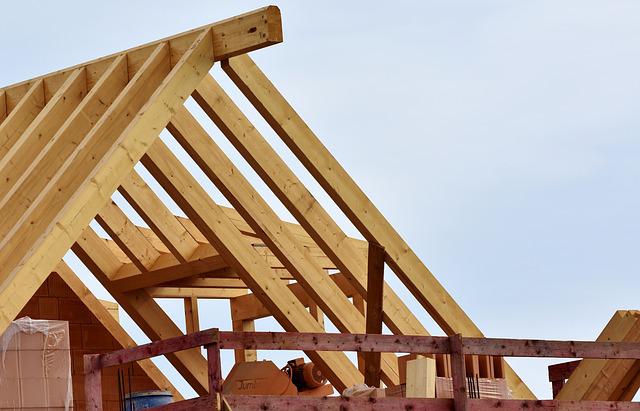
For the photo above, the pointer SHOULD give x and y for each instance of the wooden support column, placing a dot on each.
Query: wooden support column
(460, 394)
(92, 382)
(375, 282)
(361, 305)
(192, 319)
(243, 325)
(215, 368)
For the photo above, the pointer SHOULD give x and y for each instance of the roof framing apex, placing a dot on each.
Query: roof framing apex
(231, 37)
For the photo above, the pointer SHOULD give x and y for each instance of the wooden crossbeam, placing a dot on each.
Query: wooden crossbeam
(17, 159)
(146, 313)
(355, 204)
(236, 35)
(266, 223)
(349, 259)
(228, 240)
(202, 293)
(172, 273)
(153, 211)
(55, 223)
(249, 307)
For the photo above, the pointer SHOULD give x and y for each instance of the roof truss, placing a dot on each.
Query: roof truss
(70, 139)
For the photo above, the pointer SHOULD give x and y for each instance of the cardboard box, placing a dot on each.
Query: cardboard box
(36, 369)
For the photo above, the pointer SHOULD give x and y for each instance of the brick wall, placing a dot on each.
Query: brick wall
(56, 301)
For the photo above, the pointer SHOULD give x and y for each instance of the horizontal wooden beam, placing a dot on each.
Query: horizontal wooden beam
(202, 293)
(264, 402)
(429, 345)
(236, 35)
(163, 275)
(156, 348)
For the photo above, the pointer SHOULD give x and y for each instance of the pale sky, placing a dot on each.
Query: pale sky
(499, 137)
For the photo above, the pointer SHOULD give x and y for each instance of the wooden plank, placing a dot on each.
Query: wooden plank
(94, 191)
(355, 204)
(3, 107)
(204, 261)
(214, 368)
(225, 237)
(257, 402)
(159, 218)
(236, 35)
(47, 163)
(242, 354)
(134, 244)
(144, 311)
(299, 201)
(158, 348)
(266, 223)
(97, 308)
(249, 307)
(375, 284)
(26, 226)
(205, 283)
(606, 379)
(163, 276)
(93, 382)
(421, 378)
(192, 319)
(202, 293)
(25, 147)
(18, 120)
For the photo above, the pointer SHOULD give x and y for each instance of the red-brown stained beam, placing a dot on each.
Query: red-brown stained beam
(162, 347)
(93, 382)
(375, 287)
(272, 403)
(563, 370)
(459, 373)
(214, 368)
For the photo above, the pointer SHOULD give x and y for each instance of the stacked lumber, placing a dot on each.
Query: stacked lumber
(608, 380)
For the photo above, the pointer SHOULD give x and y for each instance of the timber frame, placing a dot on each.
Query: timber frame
(214, 340)
(71, 139)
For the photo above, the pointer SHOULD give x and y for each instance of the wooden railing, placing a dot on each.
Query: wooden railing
(457, 346)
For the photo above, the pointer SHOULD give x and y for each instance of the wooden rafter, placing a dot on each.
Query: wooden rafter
(354, 203)
(228, 240)
(90, 189)
(265, 222)
(299, 201)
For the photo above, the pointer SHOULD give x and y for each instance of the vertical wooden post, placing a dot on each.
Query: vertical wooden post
(375, 287)
(214, 368)
(241, 354)
(191, 316)
(460, 395)
(93, 382)
(360, 304)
